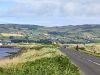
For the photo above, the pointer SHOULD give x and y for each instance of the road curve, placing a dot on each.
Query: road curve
(88, 64)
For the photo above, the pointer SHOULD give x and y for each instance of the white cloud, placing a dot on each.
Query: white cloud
(50, 8)
(93, 8)
(82, 8)
(70, 7)
(37, 2)
(35, 7)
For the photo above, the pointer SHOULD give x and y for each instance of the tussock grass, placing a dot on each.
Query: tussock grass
(38, 60)
(58, 65)
(30, 55)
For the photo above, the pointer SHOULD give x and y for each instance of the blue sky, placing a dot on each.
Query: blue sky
(50, 12)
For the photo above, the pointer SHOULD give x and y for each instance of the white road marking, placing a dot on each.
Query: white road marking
(75, 54)
(96, 63)
(87, 59)
(83, 58)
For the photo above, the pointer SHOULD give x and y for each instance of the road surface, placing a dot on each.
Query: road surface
(88, 64)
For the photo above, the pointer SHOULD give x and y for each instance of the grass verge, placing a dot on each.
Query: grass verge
(91, 49)
(45, 61)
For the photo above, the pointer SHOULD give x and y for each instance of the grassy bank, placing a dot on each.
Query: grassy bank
(58, 65)
(92, 49)
(38, 60)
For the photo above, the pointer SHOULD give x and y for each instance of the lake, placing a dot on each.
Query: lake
(6, 51)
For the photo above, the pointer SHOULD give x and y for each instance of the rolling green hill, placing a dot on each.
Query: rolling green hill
(66, 34)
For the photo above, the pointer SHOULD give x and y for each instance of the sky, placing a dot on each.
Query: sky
(50, 12)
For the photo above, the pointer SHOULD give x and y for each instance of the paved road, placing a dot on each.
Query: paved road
(88, 64)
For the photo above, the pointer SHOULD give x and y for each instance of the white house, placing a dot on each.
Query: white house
(0, 43)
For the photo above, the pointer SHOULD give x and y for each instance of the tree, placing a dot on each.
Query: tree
(11, 37)
(27, 38)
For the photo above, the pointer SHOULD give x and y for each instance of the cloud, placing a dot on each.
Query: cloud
(82, 8)
(70, 8)
(35, 7)
(93, 9)
(53, 8)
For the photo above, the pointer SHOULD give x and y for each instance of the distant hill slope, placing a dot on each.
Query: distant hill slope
(78, 33)
(17, 27)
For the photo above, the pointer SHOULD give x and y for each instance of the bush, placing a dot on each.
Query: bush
(82, 48)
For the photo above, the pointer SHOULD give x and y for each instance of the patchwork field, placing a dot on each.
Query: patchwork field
(9, 34)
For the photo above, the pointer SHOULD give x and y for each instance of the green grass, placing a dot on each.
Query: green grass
(39, 60)
(92, 49)
(59, 65)
(91, 53)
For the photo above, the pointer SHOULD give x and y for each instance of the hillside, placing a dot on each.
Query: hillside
(64, 34)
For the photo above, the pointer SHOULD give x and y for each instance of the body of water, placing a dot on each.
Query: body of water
(6, 51)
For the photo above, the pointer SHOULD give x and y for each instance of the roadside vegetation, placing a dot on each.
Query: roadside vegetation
(92, 49)
(37, 59)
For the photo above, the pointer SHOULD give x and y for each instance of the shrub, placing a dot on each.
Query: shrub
(82, 48)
